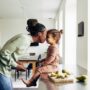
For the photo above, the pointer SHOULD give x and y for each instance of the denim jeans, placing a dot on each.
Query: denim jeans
(5, 83)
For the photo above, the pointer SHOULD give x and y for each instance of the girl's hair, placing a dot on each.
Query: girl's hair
(33, 27)
(55, 33)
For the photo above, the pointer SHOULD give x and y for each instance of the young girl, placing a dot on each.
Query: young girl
(51, 62)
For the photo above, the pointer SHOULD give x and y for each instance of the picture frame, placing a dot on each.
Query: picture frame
(81, 29)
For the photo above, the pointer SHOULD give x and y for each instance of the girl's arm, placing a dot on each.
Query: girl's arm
(51, 56)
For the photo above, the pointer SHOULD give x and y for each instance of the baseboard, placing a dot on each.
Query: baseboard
(82, 70)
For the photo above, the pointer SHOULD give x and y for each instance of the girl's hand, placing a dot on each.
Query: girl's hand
(42, 62)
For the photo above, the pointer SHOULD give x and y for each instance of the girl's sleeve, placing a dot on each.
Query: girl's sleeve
(50, 56)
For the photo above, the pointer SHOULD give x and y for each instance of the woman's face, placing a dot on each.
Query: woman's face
(42, 36)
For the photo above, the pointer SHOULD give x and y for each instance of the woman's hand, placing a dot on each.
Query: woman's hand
(20, 63)
(20, 67)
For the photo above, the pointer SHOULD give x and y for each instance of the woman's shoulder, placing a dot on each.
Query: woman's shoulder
(21, 35)
(24, 36)
(19, 38)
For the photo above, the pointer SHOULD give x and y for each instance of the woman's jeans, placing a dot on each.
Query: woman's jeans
(5, 83)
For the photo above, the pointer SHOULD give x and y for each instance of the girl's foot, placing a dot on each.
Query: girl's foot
(28, 83)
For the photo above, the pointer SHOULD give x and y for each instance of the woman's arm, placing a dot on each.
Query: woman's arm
(12, 49)
(18, 62)
(20, 67)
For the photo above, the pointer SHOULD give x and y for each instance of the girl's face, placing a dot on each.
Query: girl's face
(50, 39)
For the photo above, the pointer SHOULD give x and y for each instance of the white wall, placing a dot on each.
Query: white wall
(49, 23)
(11, 27)
(59, 24)
(88, 37)
(82, 41)
(68, 9)
(70, 33)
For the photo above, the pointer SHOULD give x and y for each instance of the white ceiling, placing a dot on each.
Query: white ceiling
(29, 8)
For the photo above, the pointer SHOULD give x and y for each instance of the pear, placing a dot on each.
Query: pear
(65, 75)
(53, 74)
(60, 75)
(57, 72)
(65, 71)
(81, 78)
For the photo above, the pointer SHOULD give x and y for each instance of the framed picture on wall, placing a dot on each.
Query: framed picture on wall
(81, 29)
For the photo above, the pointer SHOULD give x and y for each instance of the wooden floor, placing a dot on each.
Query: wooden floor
(48, 85)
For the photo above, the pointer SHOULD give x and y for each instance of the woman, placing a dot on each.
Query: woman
(15, 47)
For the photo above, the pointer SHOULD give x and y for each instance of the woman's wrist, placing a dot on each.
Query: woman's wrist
(20, 67)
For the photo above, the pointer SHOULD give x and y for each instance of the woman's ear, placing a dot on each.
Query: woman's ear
(39, 34)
